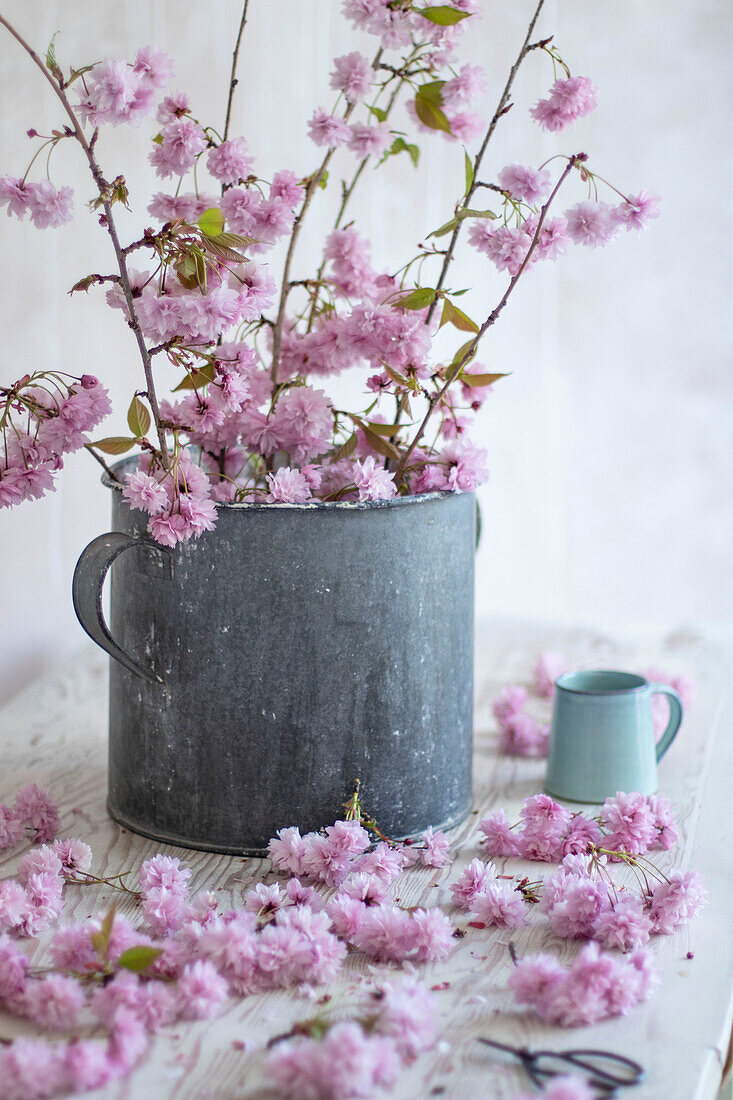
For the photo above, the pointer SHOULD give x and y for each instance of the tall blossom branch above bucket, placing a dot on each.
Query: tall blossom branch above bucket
(251, 417)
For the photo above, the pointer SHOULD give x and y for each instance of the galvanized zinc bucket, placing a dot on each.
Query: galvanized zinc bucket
(259, 670)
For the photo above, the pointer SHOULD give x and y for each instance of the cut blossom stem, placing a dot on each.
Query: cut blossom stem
(103, 188)
(454, 373)
(311, 186)
(107, 469)
(233, 81)
(500, 110)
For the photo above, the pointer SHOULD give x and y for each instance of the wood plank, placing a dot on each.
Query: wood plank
(54, 734)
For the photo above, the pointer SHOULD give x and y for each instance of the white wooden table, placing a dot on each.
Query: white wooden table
(54, 734)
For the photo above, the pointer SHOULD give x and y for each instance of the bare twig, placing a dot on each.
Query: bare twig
(502, 108)
(107, 469)
(470, 351)
(310, 189)
(103, 188)
(233, 80)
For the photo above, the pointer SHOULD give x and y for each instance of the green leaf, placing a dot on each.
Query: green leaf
(197, 377)
(379, 114)
(461, 353)
(469, 171)
(114, 444)
(51, 63)
(447, 228)
(420, 298)
(100, 939)
(323, 180)
(76, 73)
(387, 430)
(138, 958)
(399, 145)
(158, 139)
(466, 213)
(452, 315)
(347, 449)
(443, 16)
(85, 283)
(381, 446)
(138, 418)
(211, 222)
(432, 91)
(478, 381)
(395, 375)
(430, 114)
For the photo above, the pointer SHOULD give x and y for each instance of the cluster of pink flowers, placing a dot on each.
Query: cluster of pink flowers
(569, 100)
(359, 911)
(356, 1057)
(46, 417)
(590, 223)
(595, 986)
(48, 206)
(522, 734)
(188, 957)
(33, 812)
(567, 1087)
(580, 900)
(124, 92)
(252, 426)
(632, 823)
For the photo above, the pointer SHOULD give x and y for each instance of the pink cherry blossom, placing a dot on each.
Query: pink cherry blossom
(591, 223)
(182, 141)
(531, 185)
(230, 161)
(372, 481)
(369, 139)
(498, 839)
(499, 905)
(547, 668)
(288, 486)
(346, 1063)
(352, 75)
(35, 807)
(328, 130)
(16, 195)
(568, 101)
(625, 925)
(49, 206)
(636, 211)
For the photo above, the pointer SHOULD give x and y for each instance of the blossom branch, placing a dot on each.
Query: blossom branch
(233, 79)
(502, 108)
(57, 84)
(107, 469)
(311, 186)
(470, 351)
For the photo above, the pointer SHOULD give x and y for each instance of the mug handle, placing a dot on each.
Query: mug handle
(89, 576)
(675, 717)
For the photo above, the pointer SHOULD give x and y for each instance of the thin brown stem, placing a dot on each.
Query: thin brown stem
(310, 189)
(470, 351)
(233, 80)
(107, 469)
(103, 188)
(502, 108)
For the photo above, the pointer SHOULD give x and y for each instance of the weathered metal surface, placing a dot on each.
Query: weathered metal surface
(298, 648)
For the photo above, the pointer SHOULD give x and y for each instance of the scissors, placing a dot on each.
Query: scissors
(603, 1070)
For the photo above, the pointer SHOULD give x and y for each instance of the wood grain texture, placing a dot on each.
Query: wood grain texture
(54, 734)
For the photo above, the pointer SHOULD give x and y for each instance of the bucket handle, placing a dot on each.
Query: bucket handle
(89, 576)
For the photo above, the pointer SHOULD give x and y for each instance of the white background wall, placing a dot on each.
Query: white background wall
(610, 445)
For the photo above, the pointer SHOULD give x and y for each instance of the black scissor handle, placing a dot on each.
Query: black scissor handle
(628, 1074)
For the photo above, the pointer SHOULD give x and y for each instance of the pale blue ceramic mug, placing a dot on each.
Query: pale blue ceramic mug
(602, 735)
